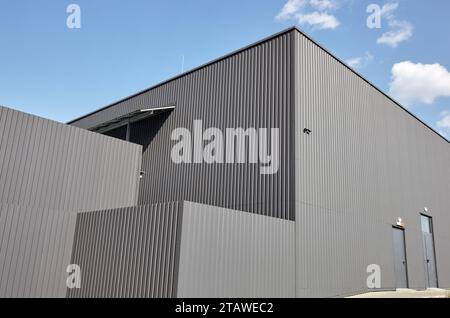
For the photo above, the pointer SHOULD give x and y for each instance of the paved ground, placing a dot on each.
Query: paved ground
(408, 293)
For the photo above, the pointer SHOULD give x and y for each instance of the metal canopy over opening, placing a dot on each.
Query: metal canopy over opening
(130, 118)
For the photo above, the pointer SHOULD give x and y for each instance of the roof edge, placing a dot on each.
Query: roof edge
(266, 39)
(223, 57)
(368, 81)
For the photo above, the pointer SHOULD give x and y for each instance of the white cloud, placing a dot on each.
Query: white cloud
(290, 9)
(399, 31)
(419, 82)
(323, 4)
(320, 20)
(445, 121)
(444, 124)
(354, 62)
(388, 9)
(360, 61)
(315, 13)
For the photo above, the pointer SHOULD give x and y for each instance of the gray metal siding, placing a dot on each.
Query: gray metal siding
(48, 164)
(366, 163)
(35, 246)
(248, 89)
(49, 171)
(227, 253)
(128, 252)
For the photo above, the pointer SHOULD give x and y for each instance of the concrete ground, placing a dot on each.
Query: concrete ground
(408, 293)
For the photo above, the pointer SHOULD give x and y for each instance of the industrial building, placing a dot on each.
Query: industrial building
(274, 171)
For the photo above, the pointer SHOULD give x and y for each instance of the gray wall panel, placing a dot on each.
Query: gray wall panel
(35, 246)
(334, 250)
(128, 252)
(248, 89)
(48, 172)
(366, 163)
(227, 253)
(49, 164)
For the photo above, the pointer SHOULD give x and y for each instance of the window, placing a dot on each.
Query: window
(426, 223)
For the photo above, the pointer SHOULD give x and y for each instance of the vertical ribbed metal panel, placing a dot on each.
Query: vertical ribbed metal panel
(48, 172)
(248, 89)
(366, 163)
(128, 252)
(48, 164)
(35, 249)
(227, 253)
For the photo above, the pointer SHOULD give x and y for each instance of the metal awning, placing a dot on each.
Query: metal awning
(130, 118)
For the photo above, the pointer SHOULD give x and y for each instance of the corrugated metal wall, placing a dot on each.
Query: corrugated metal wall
(48, 172)
(366, 163)
(227, 253)
(49, 164)
(35, 248)
(128, 252)
(248, 89)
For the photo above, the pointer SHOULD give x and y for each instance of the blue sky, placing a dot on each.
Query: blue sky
(125, 46)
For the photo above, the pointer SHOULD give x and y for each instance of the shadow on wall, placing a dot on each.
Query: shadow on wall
(141, 132)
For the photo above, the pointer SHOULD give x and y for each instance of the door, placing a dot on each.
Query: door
(428, 252)
(400, 265)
